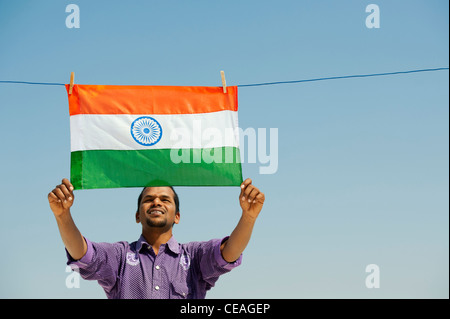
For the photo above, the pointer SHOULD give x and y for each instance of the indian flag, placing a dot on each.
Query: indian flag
(134, 136)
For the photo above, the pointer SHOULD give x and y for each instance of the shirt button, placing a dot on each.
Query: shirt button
(157, 267)
(157, 287)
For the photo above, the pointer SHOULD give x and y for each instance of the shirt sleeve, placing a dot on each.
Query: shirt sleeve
(101, 262)
(211, 263)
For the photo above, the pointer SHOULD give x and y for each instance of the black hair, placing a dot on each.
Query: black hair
(175, 198)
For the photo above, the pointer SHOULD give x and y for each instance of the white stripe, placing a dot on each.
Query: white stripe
(113, 132)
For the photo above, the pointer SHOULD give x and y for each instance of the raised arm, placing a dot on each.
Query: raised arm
(61, 199)
(251, 201)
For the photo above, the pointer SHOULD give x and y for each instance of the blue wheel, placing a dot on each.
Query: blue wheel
(146, 130)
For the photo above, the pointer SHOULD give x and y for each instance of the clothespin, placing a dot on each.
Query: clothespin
(224, 83)
(72, 77)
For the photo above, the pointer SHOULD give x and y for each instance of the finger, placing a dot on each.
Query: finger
(58, 192)
(252, 195)
(260, 198)
(52, 197)
(244, 187)
(245, 183)
(65, 191)
(247, 191)
(68, 184)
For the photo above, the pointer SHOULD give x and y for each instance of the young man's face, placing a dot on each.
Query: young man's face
(157, 209)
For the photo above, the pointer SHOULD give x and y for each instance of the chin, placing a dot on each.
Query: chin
(158, 224)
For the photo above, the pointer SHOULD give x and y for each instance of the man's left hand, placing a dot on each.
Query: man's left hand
(251, 199)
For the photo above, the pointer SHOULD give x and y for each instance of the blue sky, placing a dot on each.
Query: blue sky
(362, 163)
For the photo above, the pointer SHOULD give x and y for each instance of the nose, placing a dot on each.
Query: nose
(156, 202)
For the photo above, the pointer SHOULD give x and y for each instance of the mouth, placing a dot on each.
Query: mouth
(155, 212)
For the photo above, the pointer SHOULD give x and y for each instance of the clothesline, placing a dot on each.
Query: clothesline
(280, 82)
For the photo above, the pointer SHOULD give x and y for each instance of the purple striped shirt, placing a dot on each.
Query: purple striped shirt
(133, 271)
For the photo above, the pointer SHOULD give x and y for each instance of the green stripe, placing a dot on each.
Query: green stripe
(138, 168)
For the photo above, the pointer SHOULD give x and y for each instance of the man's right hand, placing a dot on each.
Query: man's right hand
(61, 198)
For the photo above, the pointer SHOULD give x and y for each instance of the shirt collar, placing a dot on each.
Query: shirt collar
(172, 244)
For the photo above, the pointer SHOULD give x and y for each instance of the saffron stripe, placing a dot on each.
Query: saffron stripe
(139, 99)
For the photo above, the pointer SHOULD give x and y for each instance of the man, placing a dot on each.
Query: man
(155, 266)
